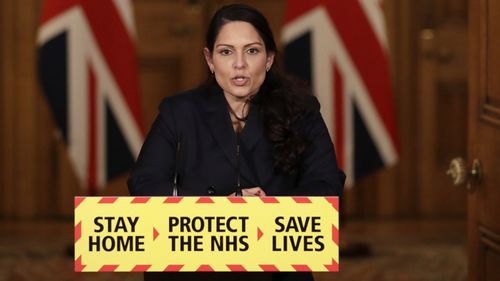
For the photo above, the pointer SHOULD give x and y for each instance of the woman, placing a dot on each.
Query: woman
(248, 131)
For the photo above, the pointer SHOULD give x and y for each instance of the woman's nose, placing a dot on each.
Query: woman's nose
(240, 61)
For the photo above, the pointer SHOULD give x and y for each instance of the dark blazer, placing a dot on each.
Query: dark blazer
(207, 164)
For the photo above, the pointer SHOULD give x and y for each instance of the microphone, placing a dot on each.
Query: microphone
(175, 191)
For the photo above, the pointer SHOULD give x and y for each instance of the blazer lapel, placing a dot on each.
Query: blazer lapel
(249, 138)
(253, 130)
(219, 122)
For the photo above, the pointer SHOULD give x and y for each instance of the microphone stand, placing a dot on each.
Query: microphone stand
(238, 180)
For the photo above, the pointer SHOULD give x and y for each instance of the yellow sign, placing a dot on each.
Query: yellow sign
(206, 234)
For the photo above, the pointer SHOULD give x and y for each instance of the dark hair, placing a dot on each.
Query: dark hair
(282, 100)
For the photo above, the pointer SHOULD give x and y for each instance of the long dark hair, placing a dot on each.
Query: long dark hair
(282, 99)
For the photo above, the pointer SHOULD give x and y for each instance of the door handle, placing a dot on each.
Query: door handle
(460, 174)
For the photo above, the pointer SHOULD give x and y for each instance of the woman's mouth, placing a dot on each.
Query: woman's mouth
(240, 80)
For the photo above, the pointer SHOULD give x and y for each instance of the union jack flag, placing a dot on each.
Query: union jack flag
(341, 48)
(89, 74)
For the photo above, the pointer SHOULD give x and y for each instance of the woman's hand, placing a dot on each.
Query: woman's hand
(251, 191)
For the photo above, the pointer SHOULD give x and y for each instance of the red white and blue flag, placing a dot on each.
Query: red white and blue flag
(340, 47)
(89, 75)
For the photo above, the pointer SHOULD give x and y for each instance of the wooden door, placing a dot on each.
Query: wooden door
(484, 139)
(441, 104)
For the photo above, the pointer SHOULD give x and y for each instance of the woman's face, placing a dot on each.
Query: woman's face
(239, 60)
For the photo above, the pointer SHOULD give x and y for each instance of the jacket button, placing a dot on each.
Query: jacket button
(211, 190)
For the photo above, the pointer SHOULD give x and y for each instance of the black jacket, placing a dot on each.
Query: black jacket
(207, 163)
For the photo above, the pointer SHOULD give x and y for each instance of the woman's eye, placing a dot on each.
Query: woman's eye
(225, 52)
(253, 51)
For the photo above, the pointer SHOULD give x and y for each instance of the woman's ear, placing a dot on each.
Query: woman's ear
(269, 61)
(208, 59)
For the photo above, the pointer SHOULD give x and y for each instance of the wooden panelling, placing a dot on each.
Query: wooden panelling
(491, 95)
(158, 78)
(483, 141)
(442, 109)
(19, 109)
(489, 251)
(25, 108)
(173, 29)
(45, 153)
(7, 109)
(405, 55)
(161, 27)
(492, 261)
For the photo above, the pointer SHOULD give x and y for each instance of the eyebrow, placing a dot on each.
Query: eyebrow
(229, 45)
